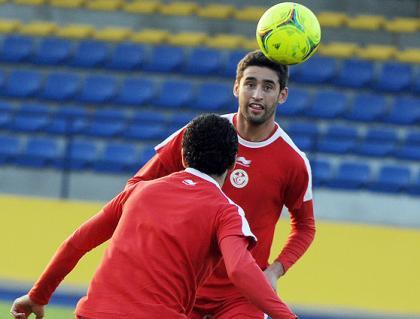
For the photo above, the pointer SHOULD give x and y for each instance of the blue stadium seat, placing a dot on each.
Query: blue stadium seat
(72, 111)
(328, 104)
(203, 61)
(416, 83)
(41, 152)
(68, 119)
(6, 114)
(338, 139)
(82, 154)
(408, 152)
(52, 51)
(404, 110)
(105, 128)
(413, 138)
(178, 120)
(322, 172)
(317, 70)
(231, 63)
(342, 131)
(127, 56)
(368, 107)
(175, 94)
(296, 104)
(90, 53)
(98, 89)
(145, 132)
(9, 148)
(213, 96)
(16, 48)
(110, 114)
(351, 175)
(148, 117)
(303, 129)
(375, 148)
(414, 187)
(29, 123)
(391, 179)
(304, 143)
(355, 73)
(394, 77)
(60, 86)
(382, 135)
(146, 154)
(118, 158)
(165, 58)
(2, 78)
(29, 109)
(136, 91)
(23, 84)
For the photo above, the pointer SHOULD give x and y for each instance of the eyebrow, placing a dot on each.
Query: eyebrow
(251, 78)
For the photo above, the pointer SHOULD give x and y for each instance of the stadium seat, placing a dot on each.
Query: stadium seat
(322, 172)
(351, 175)
(404, 110)
(16, 48)
(178, 8)
(71, 111)
(382, 135)
(338, 139)
(308, 129)
(366, 22)
(376, 52)
(216, 11)
(29, 109)
(144, 132)
(118, 158)
(150, 36)
(146, 154)
(52, 51)
(75, 31)
(41, 152)
(304, 143)
(378, 143)
(165, 58)
(355, 73)
(38, 28)
(408, 152)
(338, 49)
(175, 94)
(402, 24)
(413, 138)
(249, 13)
(189, 39)
(213, 97)
(112, 34)
(394, 77)
(203, 61)
(226, 41)
(317, 70)
(82, 154)
(296, 104)
(367, 107)
(178, 120)
(127, 56)
(414, 187)
(409, 55)
(29, 123)
(6, 115)
(110, 114)
(23, 84)
(69, 4)
(148, 117)
(60, 86)
(9, 148)
(89, 53)
(98, 89)
(136, 91)
(103, 5)
(232, 60)
(142, 7)
(332, 19)
(416, 83)
(9, 25)
(104, 128)
(391, 179)
(328, 104)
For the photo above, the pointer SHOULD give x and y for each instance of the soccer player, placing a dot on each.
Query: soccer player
(167, 236)
(270, 172)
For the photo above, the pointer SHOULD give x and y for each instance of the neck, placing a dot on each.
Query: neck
(254, 132)
(220, 179)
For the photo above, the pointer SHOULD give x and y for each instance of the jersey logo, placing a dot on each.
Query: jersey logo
(189, 182)
(239, 178)
(243, 161)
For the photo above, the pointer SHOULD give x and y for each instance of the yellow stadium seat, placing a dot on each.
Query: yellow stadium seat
(216, 11)
(411, 55)
(75, 31)
(71, 4)
(30, 2)
(338, 49)
(112, 34)
(179, 8)
(250, 44)
(38, 28)
(104, 5)
(402, 25)
(150, 36)
(191, 39)
(140, 6)
(376, 52)
(366, 22)
(332, 19)
(9, 26)
(226, 41)
(249, 13)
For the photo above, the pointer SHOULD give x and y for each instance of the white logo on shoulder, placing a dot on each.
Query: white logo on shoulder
(243, 161)
(239, 178)
(189, 182)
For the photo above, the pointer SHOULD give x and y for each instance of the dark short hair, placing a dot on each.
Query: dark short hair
(257, 58)
(210, 144)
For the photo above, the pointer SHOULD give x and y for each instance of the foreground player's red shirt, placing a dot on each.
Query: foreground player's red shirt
(267, 176)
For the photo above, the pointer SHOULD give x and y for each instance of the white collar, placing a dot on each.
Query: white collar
(197, 173)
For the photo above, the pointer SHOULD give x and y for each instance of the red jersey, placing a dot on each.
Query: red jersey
(267, 176)
(165, 242)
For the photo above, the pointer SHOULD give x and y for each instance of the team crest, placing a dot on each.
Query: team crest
(239, 178)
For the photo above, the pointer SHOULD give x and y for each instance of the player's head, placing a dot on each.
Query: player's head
(260, 86)
(210, 144)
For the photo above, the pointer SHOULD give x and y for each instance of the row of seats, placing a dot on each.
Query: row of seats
(226, 12)
(125, 157)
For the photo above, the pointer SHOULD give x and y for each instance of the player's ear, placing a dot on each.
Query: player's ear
(283, 95)
(236, 88)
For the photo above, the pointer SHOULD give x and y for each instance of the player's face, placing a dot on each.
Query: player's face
(258, 93)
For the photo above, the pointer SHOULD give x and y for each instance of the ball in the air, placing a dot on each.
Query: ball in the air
(288, 33)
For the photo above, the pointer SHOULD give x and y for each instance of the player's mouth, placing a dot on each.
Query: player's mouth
(256, 107)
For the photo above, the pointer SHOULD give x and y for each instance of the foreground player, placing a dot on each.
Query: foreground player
(270, 172)
(167, 237)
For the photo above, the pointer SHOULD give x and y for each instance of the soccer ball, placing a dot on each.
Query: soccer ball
(288, 33)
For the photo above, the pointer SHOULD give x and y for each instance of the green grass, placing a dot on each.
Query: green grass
(51, 312)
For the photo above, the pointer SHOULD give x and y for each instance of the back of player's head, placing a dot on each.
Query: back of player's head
(210, 144)
(257, 58)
